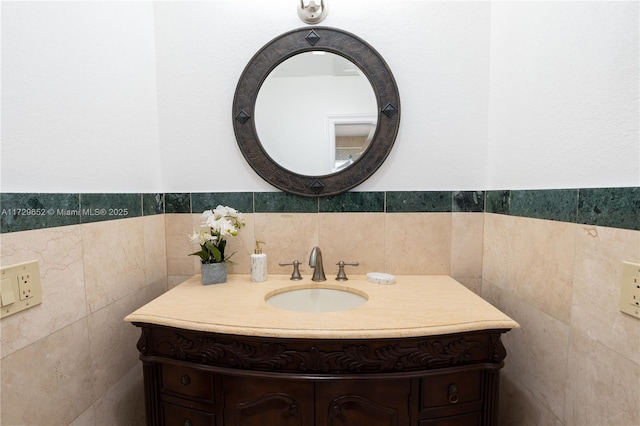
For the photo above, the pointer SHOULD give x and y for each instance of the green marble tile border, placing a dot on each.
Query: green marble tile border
(468, 202)
(101, 207)
(497, 202)
(152, 204)
(177, 202)
(419, 201)
(610, 207)
(552, 204)
(353, 202)
(26, 211)
(613, 207)
(241, 201)
(280, 202)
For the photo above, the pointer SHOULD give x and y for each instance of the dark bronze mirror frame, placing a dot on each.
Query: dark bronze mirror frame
(303, 40)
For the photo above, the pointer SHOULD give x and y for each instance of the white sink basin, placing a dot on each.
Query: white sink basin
(315, 299)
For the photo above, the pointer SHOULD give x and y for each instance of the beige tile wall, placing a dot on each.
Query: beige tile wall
(407, 243)
(576, 358)
(72, 359)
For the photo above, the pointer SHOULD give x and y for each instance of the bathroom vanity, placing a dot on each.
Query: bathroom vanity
(425, 351)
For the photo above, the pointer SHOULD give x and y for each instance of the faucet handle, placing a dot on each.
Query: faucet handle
(295, 276)
(341, 275)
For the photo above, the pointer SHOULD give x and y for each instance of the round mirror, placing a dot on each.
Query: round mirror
(316, 111)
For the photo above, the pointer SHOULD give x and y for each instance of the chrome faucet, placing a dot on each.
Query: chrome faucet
(315, 261)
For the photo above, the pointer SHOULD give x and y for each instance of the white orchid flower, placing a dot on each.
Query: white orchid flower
(227, 228)
(212, 222)
(216, 224)
(198, 237)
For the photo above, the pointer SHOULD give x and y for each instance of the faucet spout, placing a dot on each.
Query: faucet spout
(315, 261)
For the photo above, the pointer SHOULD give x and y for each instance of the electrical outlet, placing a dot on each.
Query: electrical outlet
(20, 288)
(630, 292)
(26, 283)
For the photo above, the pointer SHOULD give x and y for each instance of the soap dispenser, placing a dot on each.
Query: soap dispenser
(258, 264)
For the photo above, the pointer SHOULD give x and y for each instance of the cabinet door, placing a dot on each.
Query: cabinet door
(272, 402)
(362, 403)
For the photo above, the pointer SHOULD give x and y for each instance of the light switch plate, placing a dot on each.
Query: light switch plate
(630, 292)
(19, 288)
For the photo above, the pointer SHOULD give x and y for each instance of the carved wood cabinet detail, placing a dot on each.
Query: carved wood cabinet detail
(198, 378)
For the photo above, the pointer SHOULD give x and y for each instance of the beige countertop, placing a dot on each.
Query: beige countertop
(416, 305)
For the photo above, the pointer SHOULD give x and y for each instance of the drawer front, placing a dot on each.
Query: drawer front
(451, 389)
(189, 382)
(471, 419)
(180, 416)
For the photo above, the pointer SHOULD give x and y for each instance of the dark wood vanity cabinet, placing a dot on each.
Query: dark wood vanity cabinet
(198, 378)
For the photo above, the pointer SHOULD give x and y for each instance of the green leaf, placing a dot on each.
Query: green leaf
(204, 256)
(221, 246)
(213, 250)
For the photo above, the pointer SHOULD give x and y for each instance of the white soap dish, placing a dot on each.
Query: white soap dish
(380, 278)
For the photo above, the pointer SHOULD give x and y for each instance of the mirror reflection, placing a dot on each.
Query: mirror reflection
(316, 113)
